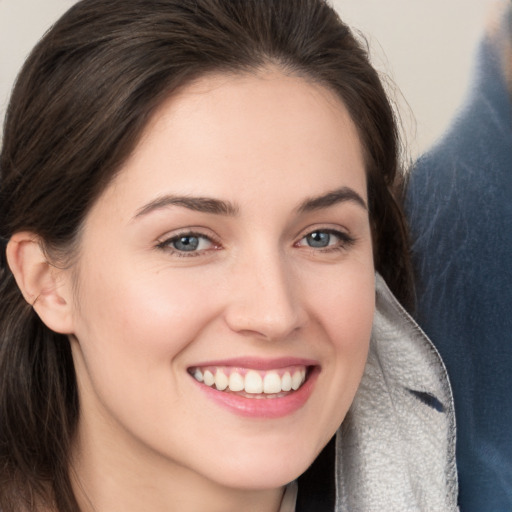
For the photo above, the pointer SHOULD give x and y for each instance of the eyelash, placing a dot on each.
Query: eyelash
(344, 243)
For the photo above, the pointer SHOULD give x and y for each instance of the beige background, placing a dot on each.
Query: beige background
(425, 46)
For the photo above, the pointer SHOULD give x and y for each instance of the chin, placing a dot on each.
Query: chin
(264, 471)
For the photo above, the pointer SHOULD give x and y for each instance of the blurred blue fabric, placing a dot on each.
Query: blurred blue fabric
(459, 204)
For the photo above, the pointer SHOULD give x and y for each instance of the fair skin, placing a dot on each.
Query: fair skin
(235, 238)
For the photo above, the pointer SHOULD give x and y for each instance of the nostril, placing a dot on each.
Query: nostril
(269, 328)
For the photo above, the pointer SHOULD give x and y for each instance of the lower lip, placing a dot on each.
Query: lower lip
(263, 407)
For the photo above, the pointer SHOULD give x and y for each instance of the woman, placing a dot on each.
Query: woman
(196, 198)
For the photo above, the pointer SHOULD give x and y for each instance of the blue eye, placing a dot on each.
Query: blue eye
(319, 239)
(187, 243)
(326, 239)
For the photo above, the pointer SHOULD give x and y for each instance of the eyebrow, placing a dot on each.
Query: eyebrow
(220, 207)
(340, 195)
(198, 204)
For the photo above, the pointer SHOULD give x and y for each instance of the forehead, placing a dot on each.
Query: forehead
(230, 133)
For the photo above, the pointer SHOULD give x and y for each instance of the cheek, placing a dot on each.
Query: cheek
(131, 333)
(131, 330)
(350, 317)
(345, 302)
(345, 312)
(157, 309)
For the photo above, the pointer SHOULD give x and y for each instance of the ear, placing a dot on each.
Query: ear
(45, 287)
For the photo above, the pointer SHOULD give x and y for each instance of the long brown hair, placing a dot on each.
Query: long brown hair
(77, 110)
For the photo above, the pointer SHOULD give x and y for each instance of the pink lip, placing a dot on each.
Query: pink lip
(255, 363)
(269, 408)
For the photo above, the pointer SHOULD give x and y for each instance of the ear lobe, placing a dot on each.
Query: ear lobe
(45, 287)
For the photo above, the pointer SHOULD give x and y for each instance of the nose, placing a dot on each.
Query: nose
(265, 299)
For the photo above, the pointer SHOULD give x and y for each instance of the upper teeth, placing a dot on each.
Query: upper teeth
(251, 381)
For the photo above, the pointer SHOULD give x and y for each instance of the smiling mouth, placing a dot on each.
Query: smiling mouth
(251, 383)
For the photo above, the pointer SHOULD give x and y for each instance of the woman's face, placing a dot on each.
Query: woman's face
(227, 264)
